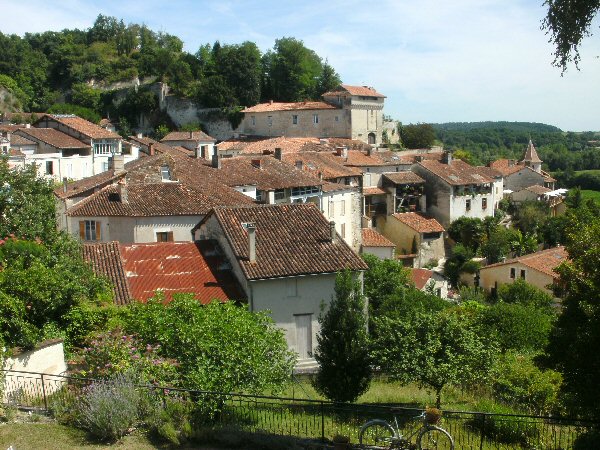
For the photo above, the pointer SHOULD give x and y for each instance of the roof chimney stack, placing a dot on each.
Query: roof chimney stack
(191, 135)
(299, 164)
(118, 163)
(270, 102)
(216, 161)
(447, 157)
(151, 149)
(332, 232)
(65, 181)
(278, 153)
(122, 190)
(251, 228)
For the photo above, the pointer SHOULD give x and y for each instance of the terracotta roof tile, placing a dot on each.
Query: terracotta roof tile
(364, 91)
(146, 142)
(420, 277)
(405, 177)
(106, 261)
(179, 267)
(420, 222)
(544, 261)
(195, 136)
(322, 163)
(290, 240)
(457, 173)
(531, 154)
(145, 200)
(266, 172)
(51, 137)
(372, 238)
(374, 191)
(19, 141)
(258, 145)
(506, 166)
(87, 128)
(537, 189)
(277, 106)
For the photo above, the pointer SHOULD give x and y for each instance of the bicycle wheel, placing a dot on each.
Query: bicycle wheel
(435, 438)
(377, 434)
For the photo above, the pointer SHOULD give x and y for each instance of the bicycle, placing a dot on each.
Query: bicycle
(379, 434)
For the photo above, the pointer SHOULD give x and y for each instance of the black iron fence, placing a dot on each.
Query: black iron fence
(315, 419)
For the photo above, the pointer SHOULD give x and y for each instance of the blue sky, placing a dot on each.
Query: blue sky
(436, 61)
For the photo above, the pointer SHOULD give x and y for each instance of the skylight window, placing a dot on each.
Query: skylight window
(165, 173)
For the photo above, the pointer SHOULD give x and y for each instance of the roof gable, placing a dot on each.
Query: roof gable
(85, 127)
(420, 222)
(456, 173)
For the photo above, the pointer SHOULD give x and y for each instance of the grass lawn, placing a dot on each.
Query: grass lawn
(50, 436)
(586, 194)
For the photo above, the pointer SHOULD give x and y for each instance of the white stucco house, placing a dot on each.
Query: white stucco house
(285, 258)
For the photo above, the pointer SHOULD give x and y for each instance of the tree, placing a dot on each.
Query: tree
(420, 135)
(433, 350)
(221, 346)
(453, 267)
(385, 277)
(568, 22)
(328, 80)
(468, 231)
(577, 330)
(343, 351)
(529, 216)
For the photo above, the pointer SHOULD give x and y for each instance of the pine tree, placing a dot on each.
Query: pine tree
(342, 351)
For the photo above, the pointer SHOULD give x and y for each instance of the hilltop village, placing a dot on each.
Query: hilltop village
(268, 216)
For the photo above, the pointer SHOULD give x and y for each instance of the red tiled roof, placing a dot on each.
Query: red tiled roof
(537, 189)
(371, 238)
(419, 222)
(89, 129)
(195, 136)
(531, 154)
(52, 137)
(105, 259)
(405, 177)
(506, 166)
(364, 91)
(374, 191)
(544, 261)
(145, 200)
(457, 173)
(146, 142)
(19, 141)
(179, 267)
(258, 145)
(291, 240)
(266, 172)
(292, 106)
(420, 277)
(322, 163)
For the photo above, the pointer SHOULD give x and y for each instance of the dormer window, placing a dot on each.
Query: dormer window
(165, 173)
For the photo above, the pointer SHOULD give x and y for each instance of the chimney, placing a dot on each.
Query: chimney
(122, 190)
(255, 163)
(251, 228)
(191, 135)
(278, 153)
(418, 158)
(216, 162)
(151, 149)
(447, 157)
(27, 125)
(139, 135)
(299, 164)
(345, 152)
(369, 151)
(511, 162)
(65, 181)
(338, 151)
(332, 232)
(118, 163)
(270, 102)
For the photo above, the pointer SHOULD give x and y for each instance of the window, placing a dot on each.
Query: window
(337, 118)
(291, 287)
(343, 231)
(468, 204)
(104, 166)
(484, 203)
(104, 148)
(279, 194)
(513, 272)
(253, 118)
(295, 119)
(343, 208)
(304, 190)
(165, 173)
(523, 274)
(431, 235)
(270, 120)
(164, 236)
(89, 230)
(259, 196)
(315, 118)
(49, 168)
(438, 292)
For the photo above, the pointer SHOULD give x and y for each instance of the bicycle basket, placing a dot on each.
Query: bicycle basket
(433, 416)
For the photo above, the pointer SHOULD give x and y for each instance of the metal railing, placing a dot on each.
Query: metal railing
(317, 419)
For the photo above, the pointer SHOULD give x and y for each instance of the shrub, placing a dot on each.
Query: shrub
(109, 408)
(503, 427)
(170, 421)
(520, 383)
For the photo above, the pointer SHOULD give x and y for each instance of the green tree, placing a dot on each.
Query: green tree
(577, 331)
(293, 71)
(328, 79)
(343, 350)
(221, 346)
(385, 277)
(468, 231)
(522, 293)
(86, 96)
(568, 22)
(433, 350)
(498, 245)
(529, 216)
(455, 263)
(420, 135)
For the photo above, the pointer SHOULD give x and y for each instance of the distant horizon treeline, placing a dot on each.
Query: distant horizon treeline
(487, 141)
(41, 69)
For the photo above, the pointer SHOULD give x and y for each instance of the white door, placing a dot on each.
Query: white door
(303, 335)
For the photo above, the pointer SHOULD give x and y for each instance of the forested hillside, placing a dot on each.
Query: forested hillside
(487, 141)
(71, 67)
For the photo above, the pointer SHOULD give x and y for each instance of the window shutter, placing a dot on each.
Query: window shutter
(98, 236)
(82, 230)
(170, 236)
